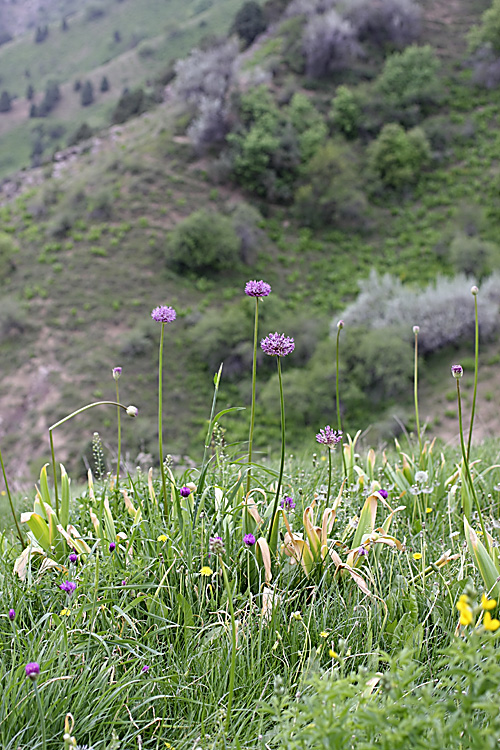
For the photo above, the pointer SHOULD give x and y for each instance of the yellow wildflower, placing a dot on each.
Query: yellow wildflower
(489, 623)
(428, 510)
(488, 603)
(323, 634)
(65, 612)
(333, 654)
(162, 538)
(466, 616)
(417, 555)
(206, 571)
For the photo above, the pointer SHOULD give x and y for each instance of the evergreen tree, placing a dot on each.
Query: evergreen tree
(104, 84)
(30, 93)
(5, 102)
(87, 95)
(249, 22)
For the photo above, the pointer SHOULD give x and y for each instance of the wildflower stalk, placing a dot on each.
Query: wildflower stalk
(415, 391)
(119, 437)
(131, 411)
(7, 489)
(340, 325)
(42, 717)
(254, 379)
(466, 467)
(476, 369)
(273, 538)
(330, 475)
(160, 426)
(232, 668)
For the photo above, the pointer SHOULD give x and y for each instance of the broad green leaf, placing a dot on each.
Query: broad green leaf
(483, 561)
(366, 520)
(44, 485)
(40, 529)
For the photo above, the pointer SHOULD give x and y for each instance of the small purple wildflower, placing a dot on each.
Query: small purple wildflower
(164, 314)
(329, 437)
(124, 582)
(362, 551)
(117, 371)
(288, 503)
(457, 371)
(384, 494)
(249, 540)
(185, 491)
(73, 557)
(68, 586)
(277, 345)
(112, 547)
(12, 615)
(257, 289)
(216, 545)
(32, 670)
(145, 668)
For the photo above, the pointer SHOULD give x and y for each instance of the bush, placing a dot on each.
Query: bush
(308, 124)
(397, 157)
(410, 78)
(393, 23)
(204, 242)
(329, 44)
(346, 111)
(488, 33)
(83, 133)
(249, 22)
(131, 104)
(206, 73)
(246, 222)
(473, 256)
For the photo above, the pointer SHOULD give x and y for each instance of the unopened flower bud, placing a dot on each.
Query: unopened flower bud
(117, 371)
(457, 371)
(474, 290)
(132, 411)
(416, 329)
(340, 324)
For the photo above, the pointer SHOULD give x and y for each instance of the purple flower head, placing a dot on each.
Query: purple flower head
(32, 670)
(362, 551)
(457, 371)
(216, 545)
(329, 437)
(277, 345)
(68, 586)
(257, 289)
(112, 547)
(164, 314)
(73, 557)
(288, 503)
(145, 668)
(384, 494)
(124, 582)
(185, 491)
(12, 615)
(117, 371)
(249, 540)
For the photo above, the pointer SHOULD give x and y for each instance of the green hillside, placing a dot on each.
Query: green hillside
(302, 197)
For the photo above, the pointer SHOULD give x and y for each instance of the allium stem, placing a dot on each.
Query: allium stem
(467, 470)
(337, 403)
(272, 542)
(330, 474)
(10, 502)
(232, 668)
(160, 427)
(119, 437)
(254, 379)
(476, 369)
(415, 394)
(42, 717)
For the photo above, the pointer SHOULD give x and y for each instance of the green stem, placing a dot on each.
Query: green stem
(62, 421)
(42, 717)
(232, 668)
(11, 503)
(337, 399)
(119, 438)
(415, 393)
(160, 427)
(466, 467)
(282, 462)
(476, 368)
(329, 474)
(254, 379)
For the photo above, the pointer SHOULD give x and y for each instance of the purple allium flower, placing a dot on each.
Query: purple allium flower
(329, 437)
(32, 670)
(457, 371)
(185, 491)
(340, 325)
(288, 503)
(132, 411)
(12, 615)
(73, 557)
(249, 540)
(216, 545)
(362, 551)
(257, 289)
(384, 494)
(112, 547)
(277, 345)
(145, 668)
(68, 586)
(164, 314)
(117, 371)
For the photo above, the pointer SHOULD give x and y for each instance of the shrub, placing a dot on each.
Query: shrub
(249, 22)
(329, 44)
(210, 125)
(488, 32)
(346, 111)
(131, 104)
(410, 77)
(13, 319)
(397, 157)
(204, 242)
(308, 123)
(473, 256)
(205, 73)
(386, 22)
(82, 133)
(246, 222)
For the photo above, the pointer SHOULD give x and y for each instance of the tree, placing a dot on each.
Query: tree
(410, 77)
(30, 92)
(329, 44)
(87, 94)
(83, 133)
(5, 102)
(204, 242)
(489, 30)
(41, 34)
(397, 157)
(104, 84)
(249, 22)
